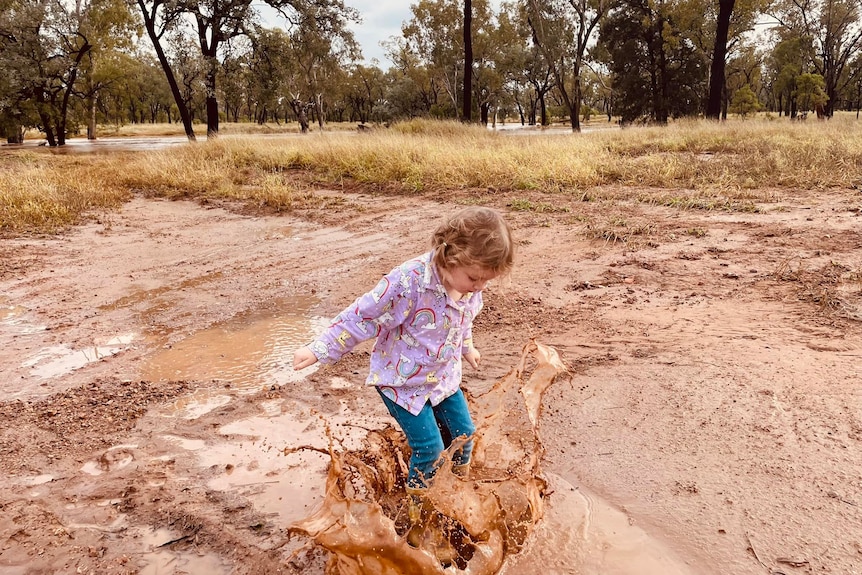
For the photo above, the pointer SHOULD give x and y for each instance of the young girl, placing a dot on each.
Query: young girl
(422, 316)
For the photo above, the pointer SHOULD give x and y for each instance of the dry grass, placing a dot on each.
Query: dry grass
(836, 288)
(47, 194)
(690, 165)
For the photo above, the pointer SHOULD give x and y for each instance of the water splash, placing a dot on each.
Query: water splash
(482, 519)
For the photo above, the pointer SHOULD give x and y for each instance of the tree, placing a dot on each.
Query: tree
(268, 64)
(563, 29)
(853, 92)
(109, 26)
(414, 89)
(744, 68)
(218, 22)
(786, 62)
(657, 70)
(160, 17)
(528, 76)
(48, 47)
(833, 27)
(435, 36)
(364, 92)
(745, 102)
(810, 93)
(20, 23)
(497, 46)
(189, 69)
(320, 47)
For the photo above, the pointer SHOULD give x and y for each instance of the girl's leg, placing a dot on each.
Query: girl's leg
(453, 416)
(424, 440)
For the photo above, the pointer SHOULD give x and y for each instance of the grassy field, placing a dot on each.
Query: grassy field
(692, 165)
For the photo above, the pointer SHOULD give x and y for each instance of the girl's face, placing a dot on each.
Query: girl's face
(465, 279)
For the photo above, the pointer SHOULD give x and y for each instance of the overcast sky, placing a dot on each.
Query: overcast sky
(381, 19)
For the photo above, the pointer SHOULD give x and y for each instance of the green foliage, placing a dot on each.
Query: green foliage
(745, 102)
(809, 91)
(658, 73)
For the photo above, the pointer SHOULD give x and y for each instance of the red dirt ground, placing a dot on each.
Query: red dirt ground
(714, 396)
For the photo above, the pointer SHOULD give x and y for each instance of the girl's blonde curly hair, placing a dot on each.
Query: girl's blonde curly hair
(474, 236)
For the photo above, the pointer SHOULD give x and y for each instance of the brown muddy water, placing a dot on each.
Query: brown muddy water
(248, 351)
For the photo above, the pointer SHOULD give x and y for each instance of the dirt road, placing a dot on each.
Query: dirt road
(714, 397)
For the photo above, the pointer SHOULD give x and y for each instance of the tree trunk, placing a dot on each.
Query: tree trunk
(185, 115)
(14, 133)
(318, 105)
(301, 115)
(211, 101)
(483, 112)
(575, 112)
(91, 118)
(661, 114)
(719, 57)
(467, 112)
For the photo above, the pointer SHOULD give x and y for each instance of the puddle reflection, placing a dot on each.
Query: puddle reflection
(14, 318)
(58, 360)
(9, 312)
(249, 352)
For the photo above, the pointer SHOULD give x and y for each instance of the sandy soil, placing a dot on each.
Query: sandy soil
(714, 397)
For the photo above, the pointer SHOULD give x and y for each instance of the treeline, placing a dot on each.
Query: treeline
(67, 66)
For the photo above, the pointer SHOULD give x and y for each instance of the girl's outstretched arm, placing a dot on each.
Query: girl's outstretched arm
(303, 357)
(384, 307)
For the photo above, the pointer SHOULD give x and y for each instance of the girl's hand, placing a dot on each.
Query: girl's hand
(302, 358)
(473, 357)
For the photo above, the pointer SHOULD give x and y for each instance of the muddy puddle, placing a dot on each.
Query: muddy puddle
(337, 481)
(247, 353)
(13, 318)
(102, 145)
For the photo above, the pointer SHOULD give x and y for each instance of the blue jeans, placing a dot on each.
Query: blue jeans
(430, 432)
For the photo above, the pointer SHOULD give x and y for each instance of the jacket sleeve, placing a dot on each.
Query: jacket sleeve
(383, 308)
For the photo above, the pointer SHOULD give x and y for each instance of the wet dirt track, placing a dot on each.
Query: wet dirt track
(714, 400)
